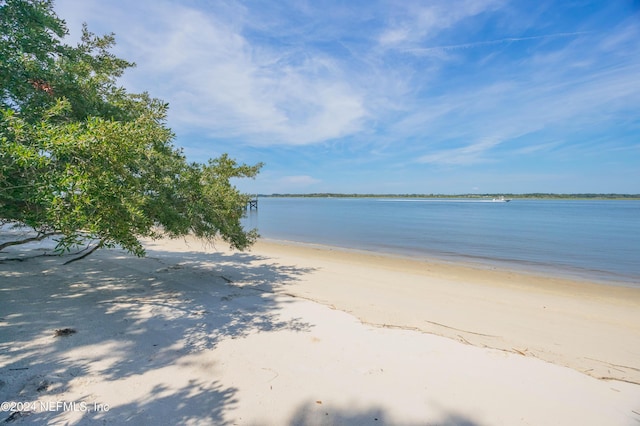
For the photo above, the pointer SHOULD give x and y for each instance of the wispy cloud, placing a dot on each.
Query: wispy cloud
(466, 155)
(415, 22)
(423, 50)
(245, 90)
(552, 94)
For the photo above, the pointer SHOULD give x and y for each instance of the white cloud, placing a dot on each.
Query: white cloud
(218, 81)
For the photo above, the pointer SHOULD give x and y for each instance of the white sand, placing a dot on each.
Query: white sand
(201, 336)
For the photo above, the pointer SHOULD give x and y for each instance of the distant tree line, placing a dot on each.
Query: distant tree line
(536, 195)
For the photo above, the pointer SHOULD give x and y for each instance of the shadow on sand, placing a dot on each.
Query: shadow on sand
(141, 317)
(131, 317)
(312, 414)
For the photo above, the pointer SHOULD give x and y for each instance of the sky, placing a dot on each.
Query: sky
(397, 96)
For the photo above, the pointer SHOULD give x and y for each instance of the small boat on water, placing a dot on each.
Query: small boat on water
(501, 200)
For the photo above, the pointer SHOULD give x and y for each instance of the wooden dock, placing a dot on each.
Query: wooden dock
(252, 204)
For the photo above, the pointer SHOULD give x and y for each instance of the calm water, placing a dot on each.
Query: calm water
(599, 240)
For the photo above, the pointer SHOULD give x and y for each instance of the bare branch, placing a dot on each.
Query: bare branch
(100, 244)
(27, 240)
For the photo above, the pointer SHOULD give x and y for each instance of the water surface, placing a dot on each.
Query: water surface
(593, 239)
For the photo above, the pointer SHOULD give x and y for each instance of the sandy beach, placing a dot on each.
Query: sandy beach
(303, 335)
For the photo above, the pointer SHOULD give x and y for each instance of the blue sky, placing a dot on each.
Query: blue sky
(451, 96)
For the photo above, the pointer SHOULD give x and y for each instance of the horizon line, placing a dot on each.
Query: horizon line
(488, 194)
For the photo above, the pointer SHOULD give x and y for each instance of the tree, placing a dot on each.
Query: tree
(83, 159)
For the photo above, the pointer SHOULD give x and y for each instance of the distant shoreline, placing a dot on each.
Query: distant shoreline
(551, 196)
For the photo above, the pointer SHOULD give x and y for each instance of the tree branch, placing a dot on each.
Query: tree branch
(22, 259)
(100, 244)
(26, 240)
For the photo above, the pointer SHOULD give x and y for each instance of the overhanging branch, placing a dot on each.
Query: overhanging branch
(100, 244)
(27, 240)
